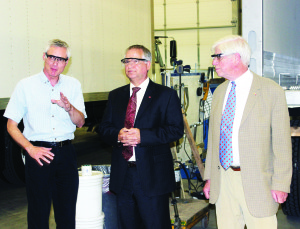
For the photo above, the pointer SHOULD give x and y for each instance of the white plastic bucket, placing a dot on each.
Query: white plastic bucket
(89, 213)
(96, 223)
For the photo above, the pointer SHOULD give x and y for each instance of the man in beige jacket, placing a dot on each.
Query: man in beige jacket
(260, 169)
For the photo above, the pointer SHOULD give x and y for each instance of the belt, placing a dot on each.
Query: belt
(131, 164)
(235, 168)
(51, 144)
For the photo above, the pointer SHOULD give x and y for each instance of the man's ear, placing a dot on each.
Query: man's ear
(44, 56)
(237, 57)
(148, 65)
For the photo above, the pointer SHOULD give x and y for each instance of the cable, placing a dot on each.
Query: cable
(186, 173)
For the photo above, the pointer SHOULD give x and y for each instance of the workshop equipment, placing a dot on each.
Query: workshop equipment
(191, 212)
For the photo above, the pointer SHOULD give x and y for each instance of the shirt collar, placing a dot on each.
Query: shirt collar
(44, 78)
(143, 85)
(244, 78)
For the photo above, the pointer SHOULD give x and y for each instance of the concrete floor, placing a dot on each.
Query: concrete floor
(13, 210)
(13, 203)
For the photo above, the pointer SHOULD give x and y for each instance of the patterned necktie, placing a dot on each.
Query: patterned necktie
(127, 151)
(225, 150)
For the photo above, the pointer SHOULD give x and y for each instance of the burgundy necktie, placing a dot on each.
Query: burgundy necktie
(129, 121)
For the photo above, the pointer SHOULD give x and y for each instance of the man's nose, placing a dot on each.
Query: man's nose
(131, 63)
(55, 61)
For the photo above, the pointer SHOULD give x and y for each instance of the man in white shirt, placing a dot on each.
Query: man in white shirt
(248, 187)
(51, 105)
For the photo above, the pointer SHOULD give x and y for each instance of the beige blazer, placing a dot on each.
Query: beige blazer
(264, 145)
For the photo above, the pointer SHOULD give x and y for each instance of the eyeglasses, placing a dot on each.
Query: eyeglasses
(133, 61)
(59, 60)
(220, 55)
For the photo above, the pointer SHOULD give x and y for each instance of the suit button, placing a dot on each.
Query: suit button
(218, 167)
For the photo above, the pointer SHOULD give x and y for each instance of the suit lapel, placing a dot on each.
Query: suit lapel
(253, 97)
(220, 101)
(123, 100)
(147, 99)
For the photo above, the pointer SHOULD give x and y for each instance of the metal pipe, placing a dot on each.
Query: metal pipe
(152, 38)
(165, 31)
(198, 35)
(198, 27)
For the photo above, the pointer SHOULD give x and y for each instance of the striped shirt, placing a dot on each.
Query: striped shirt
(43, 120)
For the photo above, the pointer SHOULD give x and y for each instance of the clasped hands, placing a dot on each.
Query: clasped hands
(129, 137)
(63, 102)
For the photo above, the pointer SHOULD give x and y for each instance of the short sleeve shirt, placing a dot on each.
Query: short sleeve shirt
(43, 120)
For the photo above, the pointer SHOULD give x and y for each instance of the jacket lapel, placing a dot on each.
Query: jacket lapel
(123, 100)
(253, 97)
(147, 99)
(220, 101)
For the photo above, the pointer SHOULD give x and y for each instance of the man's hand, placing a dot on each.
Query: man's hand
(129, 137)
(36, 153)
(122, 134)
(279, 196)
(76, 116)
(63, 102)
(206, 189)
(40, 153)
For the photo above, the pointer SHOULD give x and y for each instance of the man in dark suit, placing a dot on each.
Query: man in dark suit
(143, 178)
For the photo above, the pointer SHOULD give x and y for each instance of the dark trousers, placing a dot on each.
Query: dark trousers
(137, 211)
(57, 182)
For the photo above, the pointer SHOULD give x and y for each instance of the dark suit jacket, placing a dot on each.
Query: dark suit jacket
(160, 121)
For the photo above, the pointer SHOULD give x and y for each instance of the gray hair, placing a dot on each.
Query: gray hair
(234, 44)
(59, 43)
(146, 52)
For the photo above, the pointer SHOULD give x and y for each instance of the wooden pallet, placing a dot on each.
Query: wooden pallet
(191, 211)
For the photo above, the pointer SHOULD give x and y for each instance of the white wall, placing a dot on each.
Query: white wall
(98, 32)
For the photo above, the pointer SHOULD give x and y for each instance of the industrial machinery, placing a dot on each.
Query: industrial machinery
(186, 211)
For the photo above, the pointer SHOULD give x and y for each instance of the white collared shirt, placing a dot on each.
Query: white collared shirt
(44, 120)
(243, 85)
(139, 97)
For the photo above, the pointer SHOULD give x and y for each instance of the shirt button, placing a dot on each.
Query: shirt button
(52, 116)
